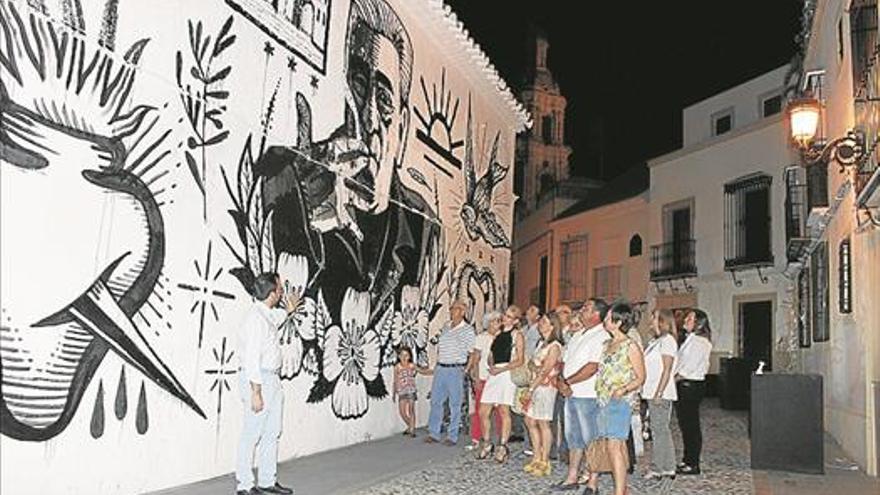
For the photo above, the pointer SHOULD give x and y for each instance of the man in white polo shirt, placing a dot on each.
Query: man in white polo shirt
(578, 384)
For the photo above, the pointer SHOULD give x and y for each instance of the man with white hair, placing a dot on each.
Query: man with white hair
(454, 346)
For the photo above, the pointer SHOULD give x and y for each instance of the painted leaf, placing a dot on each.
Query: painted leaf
(219, 76)
(216, 138)
(194, 170)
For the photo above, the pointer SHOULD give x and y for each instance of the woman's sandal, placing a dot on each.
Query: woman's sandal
(502, 453)
(484, 451)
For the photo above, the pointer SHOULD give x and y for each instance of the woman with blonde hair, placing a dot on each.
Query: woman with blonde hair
(661, 356)
(506, 353)
(542, 393)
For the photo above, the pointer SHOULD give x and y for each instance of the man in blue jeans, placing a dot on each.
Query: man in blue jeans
(577, 383)
(454, 346)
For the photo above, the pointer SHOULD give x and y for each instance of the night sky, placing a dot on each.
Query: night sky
(628, 68)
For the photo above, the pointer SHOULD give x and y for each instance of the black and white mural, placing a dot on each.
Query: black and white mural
(154, 158)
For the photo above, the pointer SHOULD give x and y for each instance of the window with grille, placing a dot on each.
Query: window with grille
(844, 277)
(607, 282)
(820, 293)
(863, 34)
(803, 308)
(573, 270)
(747, 240)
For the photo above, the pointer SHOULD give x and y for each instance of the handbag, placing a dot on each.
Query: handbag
(598, 457)
(521, 375)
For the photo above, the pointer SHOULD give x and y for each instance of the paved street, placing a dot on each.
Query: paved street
(404, 466)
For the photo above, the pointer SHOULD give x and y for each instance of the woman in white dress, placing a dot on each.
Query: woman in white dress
(542, 393)
(506, 353)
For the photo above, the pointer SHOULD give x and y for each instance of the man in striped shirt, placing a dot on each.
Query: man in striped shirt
(454, 345)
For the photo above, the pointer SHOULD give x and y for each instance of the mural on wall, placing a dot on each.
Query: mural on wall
(155, 168)
(479, 221)
(333, 217)
(202, 99)
(301, 26)
(78, 105)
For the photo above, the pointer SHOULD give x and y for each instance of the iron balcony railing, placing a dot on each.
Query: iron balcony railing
(675, 259)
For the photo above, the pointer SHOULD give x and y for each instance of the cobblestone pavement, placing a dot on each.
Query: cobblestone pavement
(725, 466)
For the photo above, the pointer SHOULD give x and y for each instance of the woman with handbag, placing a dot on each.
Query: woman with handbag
(506, 353)
(541, 397)
(621, 374)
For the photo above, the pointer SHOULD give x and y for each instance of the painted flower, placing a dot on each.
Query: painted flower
(411, 325)
(304, 322)
(351, 356)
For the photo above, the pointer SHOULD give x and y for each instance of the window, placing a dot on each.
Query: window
(819, 293)
(547, 129)
(803, 309)
(863, 32)
(747, 239)
(844, 277)
(771, 105)
(840, 39)
(543, 269)
(635, 245)
(606, 282)
(573, 270)
(722, 122)
(676, 257)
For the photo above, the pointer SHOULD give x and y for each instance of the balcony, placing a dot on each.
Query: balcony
(673, 260)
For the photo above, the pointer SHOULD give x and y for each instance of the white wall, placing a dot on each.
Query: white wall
(848, 361)
(700, 172)
(745, 100)
(85, 181)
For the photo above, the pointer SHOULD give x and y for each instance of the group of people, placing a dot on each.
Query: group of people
(576, 377)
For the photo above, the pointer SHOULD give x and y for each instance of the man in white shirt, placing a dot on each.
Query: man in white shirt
(454, 346)
(260, 386)
(578, 384)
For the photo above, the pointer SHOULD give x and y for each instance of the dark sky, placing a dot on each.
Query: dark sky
(629, 68)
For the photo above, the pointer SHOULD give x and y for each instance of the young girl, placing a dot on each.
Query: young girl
(405, 389)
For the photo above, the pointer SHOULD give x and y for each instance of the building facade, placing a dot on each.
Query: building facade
(833, 229)
(715, 219)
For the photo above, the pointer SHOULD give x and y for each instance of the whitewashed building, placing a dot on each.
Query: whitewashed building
(716, 214)
(834, 232)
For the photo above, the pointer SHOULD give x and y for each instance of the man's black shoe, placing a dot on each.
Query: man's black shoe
(687, 470)
(277, 489)
(516, 438)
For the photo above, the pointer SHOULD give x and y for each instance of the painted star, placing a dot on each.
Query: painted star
(269, 49)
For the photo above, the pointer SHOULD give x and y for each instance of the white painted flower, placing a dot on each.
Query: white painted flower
(302, 324)
(351, 356)
(411, 324)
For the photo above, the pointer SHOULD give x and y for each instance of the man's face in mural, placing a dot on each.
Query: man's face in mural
(374, 80)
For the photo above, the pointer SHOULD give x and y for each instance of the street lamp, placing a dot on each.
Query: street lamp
(804, 115)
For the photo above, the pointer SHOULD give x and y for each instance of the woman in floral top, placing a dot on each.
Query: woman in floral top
(621, 374)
